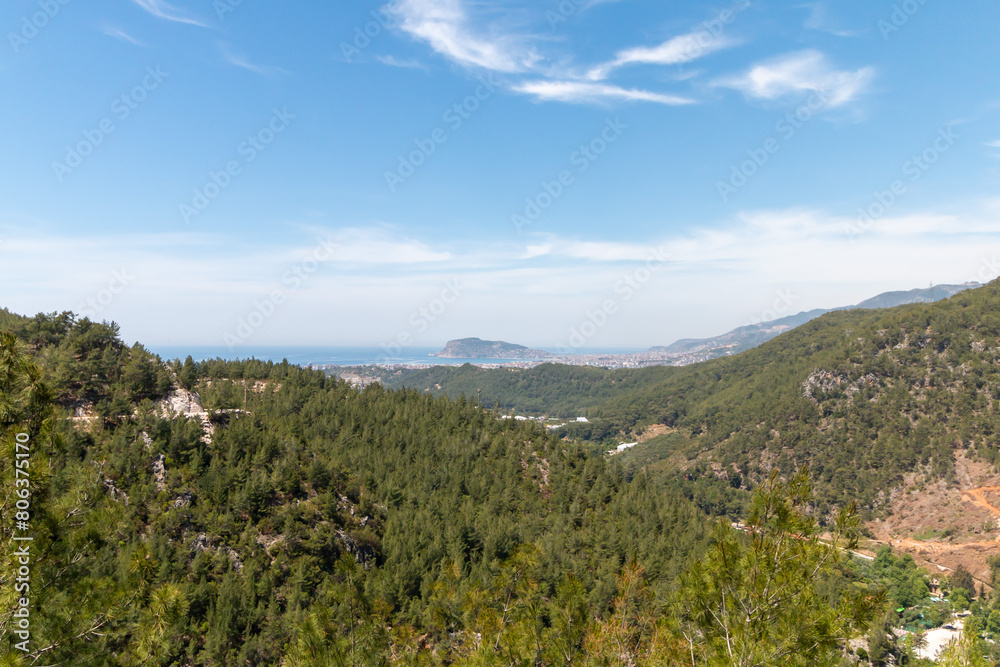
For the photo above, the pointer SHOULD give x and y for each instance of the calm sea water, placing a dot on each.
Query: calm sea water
(341, 356)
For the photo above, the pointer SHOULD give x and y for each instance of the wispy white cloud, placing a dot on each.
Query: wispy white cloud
(589, 251)
(681, 49)
(800, 73)
(820, 19)
(606, 252)
(118, 33)
(994, 144)
(458, 30)
(379, 247)
(239, 60)
(445, 26)
(164, 10)
(582, 91)
(536, 251)
(392, 61)
(194, 287)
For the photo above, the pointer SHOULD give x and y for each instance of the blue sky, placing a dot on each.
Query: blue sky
(360, 173)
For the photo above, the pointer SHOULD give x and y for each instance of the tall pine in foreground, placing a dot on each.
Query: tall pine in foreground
(755, 598)
(91, 597)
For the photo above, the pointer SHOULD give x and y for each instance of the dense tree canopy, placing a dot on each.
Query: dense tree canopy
(308, 506)
(861, 397)
(289, 518)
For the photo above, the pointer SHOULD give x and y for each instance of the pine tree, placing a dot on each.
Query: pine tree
(753, 600)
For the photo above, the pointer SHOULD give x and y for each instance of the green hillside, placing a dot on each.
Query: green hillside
(281, 517)
(861, 397)
(556, 390)
(307, 492)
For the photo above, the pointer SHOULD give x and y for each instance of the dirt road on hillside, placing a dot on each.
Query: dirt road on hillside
(978, 497)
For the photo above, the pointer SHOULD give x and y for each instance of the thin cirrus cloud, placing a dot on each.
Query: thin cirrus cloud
(589, 251)
(392, 61)
(452, 30)
(238, 60)
(446, 26)
(581, 91)
(381, 252)
(164, 10)
(118, 33)
(744, 237)
(676, 51)
(820, 19)
(376, 245)
(798, 74)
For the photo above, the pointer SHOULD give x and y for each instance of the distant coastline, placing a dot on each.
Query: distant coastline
(346, 355)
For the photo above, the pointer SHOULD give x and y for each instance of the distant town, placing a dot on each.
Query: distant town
(500, 354)
(365, 375)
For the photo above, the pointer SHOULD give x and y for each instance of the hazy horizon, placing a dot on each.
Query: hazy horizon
(427, 170)
(780, 308)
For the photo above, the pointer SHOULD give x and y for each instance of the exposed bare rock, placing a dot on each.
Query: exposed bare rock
(188, 404)
(207, 427)
(201, 543)
(181, 401)
(160, 473)
(114, 491)
(346, 504)
(83, 410)
(234, 558)
(362, 554)
(826, 382)
(83, 414)
(268, 541)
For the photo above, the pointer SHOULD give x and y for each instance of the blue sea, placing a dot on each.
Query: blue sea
(339, 356)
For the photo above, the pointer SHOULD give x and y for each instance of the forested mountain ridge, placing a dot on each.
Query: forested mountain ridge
(931, 294)
(751, 335)
(864, 397)
(86, 363)
(550, 389)
(389, 507)
(896, 409)
(308, 523)
(739, 339)
(565, 391)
